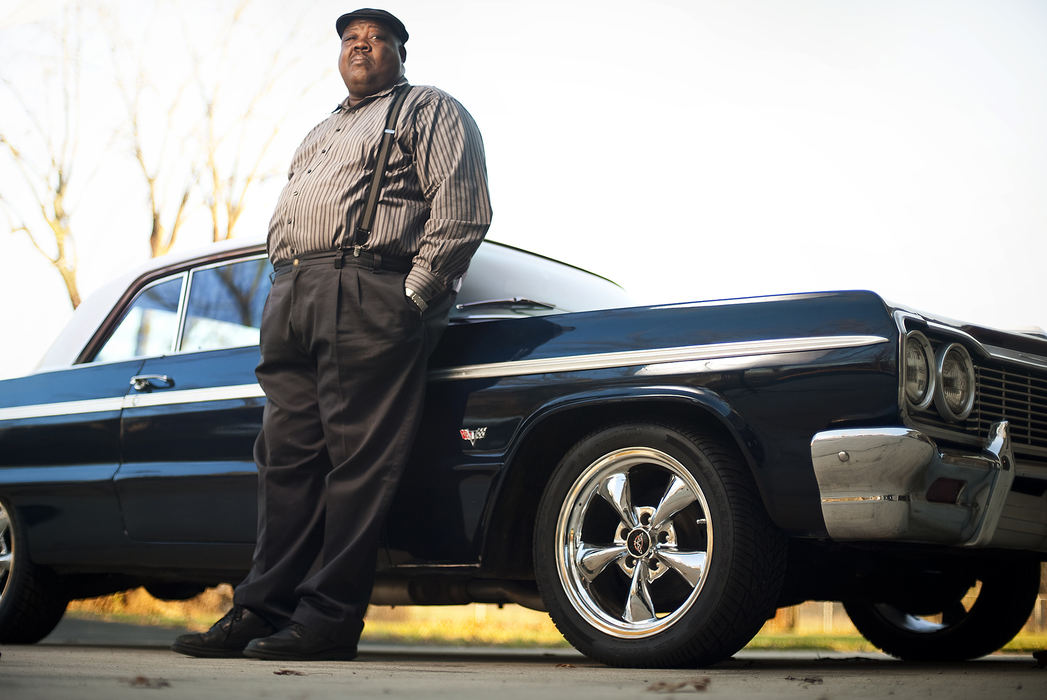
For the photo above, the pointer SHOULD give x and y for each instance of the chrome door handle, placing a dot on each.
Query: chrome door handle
(148, 382)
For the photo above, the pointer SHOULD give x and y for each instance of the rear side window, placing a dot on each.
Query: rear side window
(149, 326)
(225, 303)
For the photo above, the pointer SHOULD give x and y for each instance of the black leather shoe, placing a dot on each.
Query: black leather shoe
(297, 643)
(227, 637)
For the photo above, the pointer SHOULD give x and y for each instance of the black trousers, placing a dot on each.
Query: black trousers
(343, 368)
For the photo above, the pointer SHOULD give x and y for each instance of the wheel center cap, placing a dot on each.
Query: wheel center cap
(638, 543)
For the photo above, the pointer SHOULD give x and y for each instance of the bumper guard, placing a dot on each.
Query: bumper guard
(886, 484)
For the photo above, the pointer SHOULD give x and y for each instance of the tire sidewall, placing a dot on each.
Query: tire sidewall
(691, 632)
(33, 602)
(1008, 594)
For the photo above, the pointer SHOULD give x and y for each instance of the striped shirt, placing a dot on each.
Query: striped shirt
(433, 207)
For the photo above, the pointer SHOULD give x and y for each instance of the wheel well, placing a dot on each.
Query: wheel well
(507, 547)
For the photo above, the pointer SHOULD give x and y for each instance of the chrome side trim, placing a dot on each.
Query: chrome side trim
(62, 408)
(161, 397)
(570, 363)
(629, 358)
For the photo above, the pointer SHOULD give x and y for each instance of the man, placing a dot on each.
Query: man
(346, 333)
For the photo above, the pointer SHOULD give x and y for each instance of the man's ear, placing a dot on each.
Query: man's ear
(403, 53)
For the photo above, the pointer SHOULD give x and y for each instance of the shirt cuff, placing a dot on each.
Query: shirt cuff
(424, 283)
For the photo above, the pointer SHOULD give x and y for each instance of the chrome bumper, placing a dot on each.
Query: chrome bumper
(887, 484)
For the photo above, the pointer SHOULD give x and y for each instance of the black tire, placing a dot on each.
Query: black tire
(667, 598)
(1006, 598)
(31, 597)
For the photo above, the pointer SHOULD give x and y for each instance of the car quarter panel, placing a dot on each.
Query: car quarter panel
(493, 383)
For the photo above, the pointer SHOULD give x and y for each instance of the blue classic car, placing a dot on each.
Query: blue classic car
(660, 479)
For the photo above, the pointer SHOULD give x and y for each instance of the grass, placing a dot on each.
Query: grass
(477, 625)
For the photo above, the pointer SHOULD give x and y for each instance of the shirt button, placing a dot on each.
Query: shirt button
(296, 193)
(288, 221)
(323, 151)
(308, 171)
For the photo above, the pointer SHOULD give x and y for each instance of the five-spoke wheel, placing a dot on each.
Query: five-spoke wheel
(625, 555)
(633, 564)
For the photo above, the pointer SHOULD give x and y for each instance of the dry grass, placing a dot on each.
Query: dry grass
(196, 613)
(793, 628)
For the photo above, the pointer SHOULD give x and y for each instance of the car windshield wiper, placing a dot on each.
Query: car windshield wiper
(514, 301)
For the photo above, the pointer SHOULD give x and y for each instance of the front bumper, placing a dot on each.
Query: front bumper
(896, 485)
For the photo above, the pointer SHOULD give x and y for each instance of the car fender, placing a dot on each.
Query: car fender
(549, 431)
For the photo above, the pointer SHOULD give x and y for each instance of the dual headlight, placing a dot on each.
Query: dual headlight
(944, 378)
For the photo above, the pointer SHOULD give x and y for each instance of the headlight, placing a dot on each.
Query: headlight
(918, 372)
(954, 395)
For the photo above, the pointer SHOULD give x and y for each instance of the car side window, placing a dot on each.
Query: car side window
(225, 305)
(149, 326)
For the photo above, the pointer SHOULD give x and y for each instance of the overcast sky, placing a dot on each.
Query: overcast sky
(688, 149)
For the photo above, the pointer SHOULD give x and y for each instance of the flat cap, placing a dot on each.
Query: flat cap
(381, 16)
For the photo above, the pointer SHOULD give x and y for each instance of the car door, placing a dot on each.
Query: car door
(60, 433)
(189, 425)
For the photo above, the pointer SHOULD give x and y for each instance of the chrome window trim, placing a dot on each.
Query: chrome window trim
(568, 363)
(184, 275)
(181, 311)
(185, 308)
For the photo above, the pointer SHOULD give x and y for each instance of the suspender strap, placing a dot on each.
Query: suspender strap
(363, 230)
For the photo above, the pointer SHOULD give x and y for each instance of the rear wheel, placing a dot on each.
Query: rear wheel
(31, 599)
(973, 621)
(652, 548)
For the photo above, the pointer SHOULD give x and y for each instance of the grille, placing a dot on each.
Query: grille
(1014, 394)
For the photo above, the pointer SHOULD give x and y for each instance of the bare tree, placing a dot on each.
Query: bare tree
(235, 157)
(167, 213)
(42, 159)
(211, 140)
(169, 178)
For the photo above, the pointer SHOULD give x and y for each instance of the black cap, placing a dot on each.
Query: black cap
(380, 16)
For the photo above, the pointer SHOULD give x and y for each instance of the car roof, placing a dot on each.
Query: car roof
(98, 305)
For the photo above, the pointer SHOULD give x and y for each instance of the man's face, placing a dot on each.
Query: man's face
(372, 58)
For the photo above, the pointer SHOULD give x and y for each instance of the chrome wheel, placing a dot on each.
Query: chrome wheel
(635, 541)
(623, 547)
(7, 552)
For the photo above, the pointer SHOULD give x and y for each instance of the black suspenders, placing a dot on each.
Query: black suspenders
(363, 230)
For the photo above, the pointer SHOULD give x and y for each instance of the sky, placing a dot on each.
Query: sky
(688, 149)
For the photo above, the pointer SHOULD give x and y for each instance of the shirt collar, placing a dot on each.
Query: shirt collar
(343, 106)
